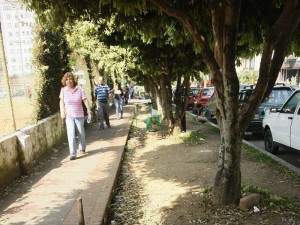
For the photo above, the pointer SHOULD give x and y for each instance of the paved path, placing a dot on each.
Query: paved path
(52, 199)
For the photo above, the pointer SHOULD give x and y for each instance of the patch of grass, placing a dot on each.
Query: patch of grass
(282, 203)
(133, 127)
(252, 154)
(206, 190)
(192, 137)
(190, 117)
(251, 189)
(212, 128)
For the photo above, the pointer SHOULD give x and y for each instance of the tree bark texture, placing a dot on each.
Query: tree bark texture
(166, 98)
(162, 86)
(180, 100)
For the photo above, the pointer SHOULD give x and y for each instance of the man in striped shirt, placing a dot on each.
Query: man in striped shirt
(102, 93)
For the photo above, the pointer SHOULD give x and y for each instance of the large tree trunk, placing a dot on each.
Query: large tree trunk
(180, 101)
(227, 185)
(165, 94)
(162, 86)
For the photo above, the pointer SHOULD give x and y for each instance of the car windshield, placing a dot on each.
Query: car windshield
(208, 92)
(291, 105)
(194, 91)
(244, 95)
(278, 96)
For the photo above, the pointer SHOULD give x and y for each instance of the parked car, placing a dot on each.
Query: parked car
(210, 109)
(194, 92)
(282, 125)
(203, 97)
(276, 98)
(246, 86)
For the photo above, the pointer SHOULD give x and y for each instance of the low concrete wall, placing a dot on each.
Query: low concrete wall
(9, 163)
(20, 151)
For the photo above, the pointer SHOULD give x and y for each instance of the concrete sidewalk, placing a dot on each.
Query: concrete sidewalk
(52, 199)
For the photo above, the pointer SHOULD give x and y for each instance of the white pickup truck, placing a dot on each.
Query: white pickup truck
(282, 126)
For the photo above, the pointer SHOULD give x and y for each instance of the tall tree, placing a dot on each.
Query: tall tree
(221, 30)
(51, 58)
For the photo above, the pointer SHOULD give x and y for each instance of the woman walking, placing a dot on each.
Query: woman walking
(71, 97)
(119, 94)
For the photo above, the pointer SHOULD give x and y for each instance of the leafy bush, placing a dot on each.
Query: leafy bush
(51, 58)
(192, 137)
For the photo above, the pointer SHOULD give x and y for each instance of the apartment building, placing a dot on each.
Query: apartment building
(249, 63)
(290, 70)
(17, 30)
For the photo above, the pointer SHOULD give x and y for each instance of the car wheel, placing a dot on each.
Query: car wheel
(269, 143)
(247, 137)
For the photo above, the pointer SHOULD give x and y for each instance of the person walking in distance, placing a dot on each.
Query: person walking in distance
(130, 94)
(126, 95)
(71, 98)
(102, 93)
(119, 94)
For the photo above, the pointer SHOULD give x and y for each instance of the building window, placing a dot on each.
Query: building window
(252, 63)
(244, 64)
(248, 64)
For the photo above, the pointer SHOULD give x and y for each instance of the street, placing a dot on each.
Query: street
(288, 155)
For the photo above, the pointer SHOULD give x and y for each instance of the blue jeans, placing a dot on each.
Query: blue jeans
(73, 125)
(119, 107)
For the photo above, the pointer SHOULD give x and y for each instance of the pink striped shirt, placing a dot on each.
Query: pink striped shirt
(73, 101)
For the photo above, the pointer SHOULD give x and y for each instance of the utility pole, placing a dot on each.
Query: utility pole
(7, 79)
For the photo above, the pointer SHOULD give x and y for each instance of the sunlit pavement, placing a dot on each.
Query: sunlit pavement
(53, 199)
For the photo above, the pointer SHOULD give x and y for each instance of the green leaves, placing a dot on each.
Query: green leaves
(248, 77)
(192, 138)
(51, 60)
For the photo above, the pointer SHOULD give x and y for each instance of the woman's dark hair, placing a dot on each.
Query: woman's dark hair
(118, 84)
(69, 75)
